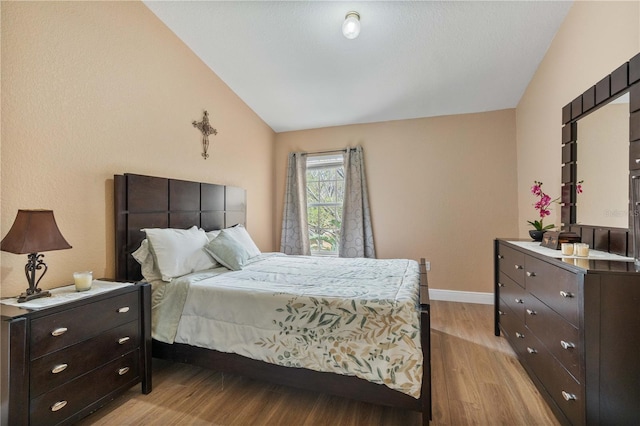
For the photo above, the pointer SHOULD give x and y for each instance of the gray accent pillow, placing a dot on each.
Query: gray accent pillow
(228, 251)
(239, 232)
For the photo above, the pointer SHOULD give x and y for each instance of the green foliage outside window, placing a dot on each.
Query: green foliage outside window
(325, 194)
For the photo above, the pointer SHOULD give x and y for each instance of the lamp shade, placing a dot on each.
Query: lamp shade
(34, 231)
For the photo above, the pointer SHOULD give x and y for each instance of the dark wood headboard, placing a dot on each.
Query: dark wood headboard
(155, 202)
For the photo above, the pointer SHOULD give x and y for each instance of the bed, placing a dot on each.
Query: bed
(143, 202)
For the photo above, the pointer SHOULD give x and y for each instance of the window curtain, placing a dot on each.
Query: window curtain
(295, 230)
(356, 233)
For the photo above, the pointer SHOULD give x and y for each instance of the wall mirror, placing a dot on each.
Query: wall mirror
(602, 164)
(600, 146)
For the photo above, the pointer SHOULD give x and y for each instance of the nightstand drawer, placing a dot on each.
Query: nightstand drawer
(63, 329)
(58, 405)
(57, 368)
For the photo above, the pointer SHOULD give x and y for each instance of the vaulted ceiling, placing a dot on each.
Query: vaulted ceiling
(289, 61)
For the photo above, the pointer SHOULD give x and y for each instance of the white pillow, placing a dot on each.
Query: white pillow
(240, 233)
(227, 250)
(144, 257)
(179, 251)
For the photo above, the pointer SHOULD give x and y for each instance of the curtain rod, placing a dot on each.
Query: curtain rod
(327, 152)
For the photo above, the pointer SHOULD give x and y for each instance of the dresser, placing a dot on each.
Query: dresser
(61, 363)
(575, 327)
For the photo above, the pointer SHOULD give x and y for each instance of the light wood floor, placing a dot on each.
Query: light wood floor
(476, 381)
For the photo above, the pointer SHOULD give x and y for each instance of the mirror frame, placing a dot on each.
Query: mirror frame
(614, 240)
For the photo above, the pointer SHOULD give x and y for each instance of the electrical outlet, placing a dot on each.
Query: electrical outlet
(427, 264)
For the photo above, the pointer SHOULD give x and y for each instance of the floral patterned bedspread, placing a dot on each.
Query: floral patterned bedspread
(348, 316)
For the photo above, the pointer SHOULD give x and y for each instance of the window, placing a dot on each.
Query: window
(325, 195)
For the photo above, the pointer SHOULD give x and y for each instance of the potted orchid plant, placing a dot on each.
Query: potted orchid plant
(543, 208)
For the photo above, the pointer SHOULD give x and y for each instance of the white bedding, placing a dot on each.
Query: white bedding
(347, 316)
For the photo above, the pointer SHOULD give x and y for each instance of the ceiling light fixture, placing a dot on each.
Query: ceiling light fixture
(351, 25)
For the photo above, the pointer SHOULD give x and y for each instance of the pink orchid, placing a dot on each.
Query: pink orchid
(542, 206)
(543, 203)
(535, 189)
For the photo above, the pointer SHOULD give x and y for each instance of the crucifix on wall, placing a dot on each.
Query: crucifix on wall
(206, 130)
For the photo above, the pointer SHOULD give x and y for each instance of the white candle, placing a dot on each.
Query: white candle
(567, 249)
(83, 280)
(582, 249)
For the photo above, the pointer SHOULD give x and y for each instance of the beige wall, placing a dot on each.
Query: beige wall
(440, 188)
(595, 39)
(92, 89)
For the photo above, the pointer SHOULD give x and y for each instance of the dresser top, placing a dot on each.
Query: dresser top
(597, 261)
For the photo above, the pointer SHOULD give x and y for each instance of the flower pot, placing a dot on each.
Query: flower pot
(536, 235)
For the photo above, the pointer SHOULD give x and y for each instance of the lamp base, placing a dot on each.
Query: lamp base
(25, 297)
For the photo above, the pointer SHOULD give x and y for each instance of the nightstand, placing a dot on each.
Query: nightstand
(62, 362)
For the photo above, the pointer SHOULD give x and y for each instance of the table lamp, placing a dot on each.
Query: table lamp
(34, 231)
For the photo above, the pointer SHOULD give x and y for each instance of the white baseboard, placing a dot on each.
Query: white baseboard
(461, 296)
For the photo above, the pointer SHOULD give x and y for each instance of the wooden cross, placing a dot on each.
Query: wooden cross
(206, 130)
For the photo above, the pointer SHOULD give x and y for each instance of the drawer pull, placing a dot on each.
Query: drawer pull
(568, 396)
(566, 294)
(500, 313)
(637, 160)
(123, 340)
(519, 335)
(59, 368)
(531, 274)
(567, 345)
(518, 266)
(531, 312)
(59, 332)
(519, 300)
(500, 257)
(122, 371)
(123, 309)
(500, 285)
(531, 350)
(58, 405)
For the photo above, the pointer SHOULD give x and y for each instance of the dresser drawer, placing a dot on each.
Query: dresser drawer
(57, 368)
(559, 336)
(567, 393)
(59, 404)
(512, 263)
(513, 328)
(81, 323)
(512, 295)
(556, 287)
